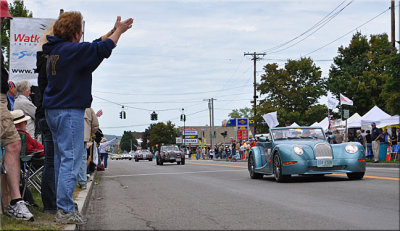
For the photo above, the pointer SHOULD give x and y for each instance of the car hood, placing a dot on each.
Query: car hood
(303, 142)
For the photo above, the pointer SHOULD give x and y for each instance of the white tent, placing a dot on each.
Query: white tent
(294, 125)
(374, 115)
(353, 118)
(316, 124)
(324, 124)
(393, 120)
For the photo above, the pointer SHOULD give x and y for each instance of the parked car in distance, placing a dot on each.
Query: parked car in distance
(170, 153)
(304, 151)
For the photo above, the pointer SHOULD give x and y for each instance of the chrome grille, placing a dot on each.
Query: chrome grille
(322, 150)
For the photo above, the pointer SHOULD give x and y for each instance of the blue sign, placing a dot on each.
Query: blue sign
(242, 122)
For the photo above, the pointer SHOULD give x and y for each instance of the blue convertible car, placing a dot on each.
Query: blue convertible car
(304, 151)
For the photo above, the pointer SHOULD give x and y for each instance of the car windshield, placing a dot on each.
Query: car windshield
(170, 148)
(297, 133)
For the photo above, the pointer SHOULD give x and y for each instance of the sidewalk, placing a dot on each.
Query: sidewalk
(83, 200)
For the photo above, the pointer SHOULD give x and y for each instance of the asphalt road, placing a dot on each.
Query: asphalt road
(217, 195)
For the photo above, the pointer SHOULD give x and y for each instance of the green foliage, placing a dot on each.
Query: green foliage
(241, 113)
(162, 133)
(126, 140)
(17, 9)
(293, 91)
(368, 73)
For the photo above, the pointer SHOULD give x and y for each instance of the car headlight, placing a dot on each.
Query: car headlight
(298, 150)
(351, 148)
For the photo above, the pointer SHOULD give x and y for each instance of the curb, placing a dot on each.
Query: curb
(83, 200)
(383, 165)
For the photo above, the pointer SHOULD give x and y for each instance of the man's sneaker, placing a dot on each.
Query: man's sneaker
(20, 211)
(69, 218)
(83, 186)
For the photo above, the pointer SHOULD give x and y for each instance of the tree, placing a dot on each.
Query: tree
(17, 9)
(128, 141)
(293, 91)
(162, 133)
(241, 113)
(366, 71)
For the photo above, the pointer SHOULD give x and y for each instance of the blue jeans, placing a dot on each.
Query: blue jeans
(369, 151)
(197, 156)
(66, 126)
(82, 178)
(48, 187)
(105, 157)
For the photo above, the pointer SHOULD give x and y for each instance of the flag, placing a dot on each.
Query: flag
(345, 100)
(271, 119)
(332, 103)
(99, 113)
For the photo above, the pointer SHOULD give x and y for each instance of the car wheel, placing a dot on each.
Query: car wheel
(355, 175)
(251, 166)
(183, 161)
(178, 163)
(136, 160)
(157, 161)
(161, 162)
(130, 158)
(150, 159)
(279, 177)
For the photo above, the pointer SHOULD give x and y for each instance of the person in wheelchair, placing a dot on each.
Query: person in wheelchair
(33, 147)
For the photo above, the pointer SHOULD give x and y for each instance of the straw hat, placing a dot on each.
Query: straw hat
(19, 117)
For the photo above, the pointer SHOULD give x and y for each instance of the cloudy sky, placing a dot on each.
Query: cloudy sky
(181, 53)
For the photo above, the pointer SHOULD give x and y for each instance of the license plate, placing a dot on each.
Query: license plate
(324, 163)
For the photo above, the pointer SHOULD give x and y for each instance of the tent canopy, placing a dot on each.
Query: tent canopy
(374, 115)
(294, 125)
(393, 120)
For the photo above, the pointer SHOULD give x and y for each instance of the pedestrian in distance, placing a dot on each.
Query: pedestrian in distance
(11, 142)
(104, 144)
(67, 95)
(368, 143)
(359, 138)
(376, 136)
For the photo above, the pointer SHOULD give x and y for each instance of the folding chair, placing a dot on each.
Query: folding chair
(31, 168)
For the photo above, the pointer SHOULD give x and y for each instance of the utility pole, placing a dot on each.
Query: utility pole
(393, 25)
(399, 26)
(211, 111)
(255, 58)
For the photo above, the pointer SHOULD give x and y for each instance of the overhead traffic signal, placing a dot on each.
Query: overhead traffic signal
(122, 114)
(153, 116)
(183, 117)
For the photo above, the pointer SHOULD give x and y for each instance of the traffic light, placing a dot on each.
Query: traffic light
(183, 117)
(120, 114)
(153, 116)
(224, 133)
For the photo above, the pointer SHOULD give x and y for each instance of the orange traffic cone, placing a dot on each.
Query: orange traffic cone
(388, 156)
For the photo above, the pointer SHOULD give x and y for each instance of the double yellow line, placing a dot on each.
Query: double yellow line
(333, 174)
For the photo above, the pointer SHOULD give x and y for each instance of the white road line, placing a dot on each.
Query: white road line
(171, 173)
(388, 169)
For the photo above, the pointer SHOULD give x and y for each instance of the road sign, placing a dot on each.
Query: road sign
(213, 137)
(178, 140)
(346, 114)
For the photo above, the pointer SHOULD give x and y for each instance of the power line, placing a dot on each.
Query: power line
(348, 32)
(327, 17)
(318, 28)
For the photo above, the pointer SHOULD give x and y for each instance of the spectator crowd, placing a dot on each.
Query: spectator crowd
(55, 123)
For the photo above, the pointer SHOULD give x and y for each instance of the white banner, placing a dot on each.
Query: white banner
(271, 119)
(25, 41)
(332, 103)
